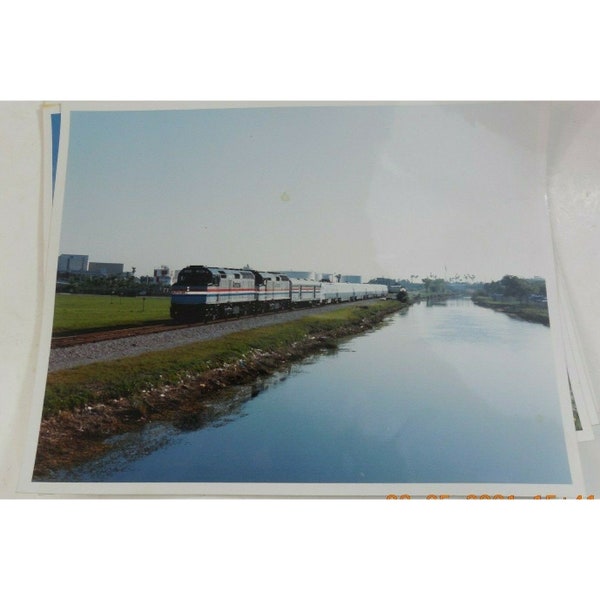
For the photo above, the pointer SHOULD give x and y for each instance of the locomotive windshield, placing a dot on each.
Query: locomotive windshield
(194, 276)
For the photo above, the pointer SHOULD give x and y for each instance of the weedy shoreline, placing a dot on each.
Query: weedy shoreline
(526, 312)
(85, 406)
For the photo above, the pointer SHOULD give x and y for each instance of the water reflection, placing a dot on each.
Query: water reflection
(224, 407)
(454, 393)
(436, 302)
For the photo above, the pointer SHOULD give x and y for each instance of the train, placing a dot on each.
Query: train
(207, 293)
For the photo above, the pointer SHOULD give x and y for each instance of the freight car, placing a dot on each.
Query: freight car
(205, 293)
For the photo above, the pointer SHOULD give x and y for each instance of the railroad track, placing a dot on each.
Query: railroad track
(115, 334)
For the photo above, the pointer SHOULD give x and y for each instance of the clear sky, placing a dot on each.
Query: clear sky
(409, 189)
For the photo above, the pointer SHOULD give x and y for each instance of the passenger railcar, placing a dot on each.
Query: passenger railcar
(204, 293)
(305, 291)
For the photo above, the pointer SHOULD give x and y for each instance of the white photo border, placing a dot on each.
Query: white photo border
(259, 490)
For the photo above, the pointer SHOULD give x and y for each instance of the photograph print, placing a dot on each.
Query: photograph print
(350, 299)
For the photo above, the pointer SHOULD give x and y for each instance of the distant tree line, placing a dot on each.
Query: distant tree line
(112, 284)
(416, 283)
(428, 285)
(511, 287)
(435, 286)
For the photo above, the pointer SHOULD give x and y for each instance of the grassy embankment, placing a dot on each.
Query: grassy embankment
(75, 313)
(534, 313)
(86, 404)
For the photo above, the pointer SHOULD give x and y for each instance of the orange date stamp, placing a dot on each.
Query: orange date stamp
(483, 497)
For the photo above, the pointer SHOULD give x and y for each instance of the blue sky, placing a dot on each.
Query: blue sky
(55, 126)
(369, 190)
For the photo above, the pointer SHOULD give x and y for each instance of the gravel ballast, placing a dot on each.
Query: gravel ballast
(75, 356)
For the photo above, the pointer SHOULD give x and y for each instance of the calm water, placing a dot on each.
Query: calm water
(453, 393)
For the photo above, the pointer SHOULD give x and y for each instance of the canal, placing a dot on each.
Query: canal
(444, 393)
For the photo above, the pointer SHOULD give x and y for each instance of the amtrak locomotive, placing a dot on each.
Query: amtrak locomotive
(204, 293)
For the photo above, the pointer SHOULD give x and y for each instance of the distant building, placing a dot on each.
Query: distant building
(538, 299)
(351, 279)
(163, 276)
(105, 269)
(73, 263)
(314, 276)
(301, 274)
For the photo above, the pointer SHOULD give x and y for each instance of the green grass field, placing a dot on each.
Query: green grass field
(82, 312)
